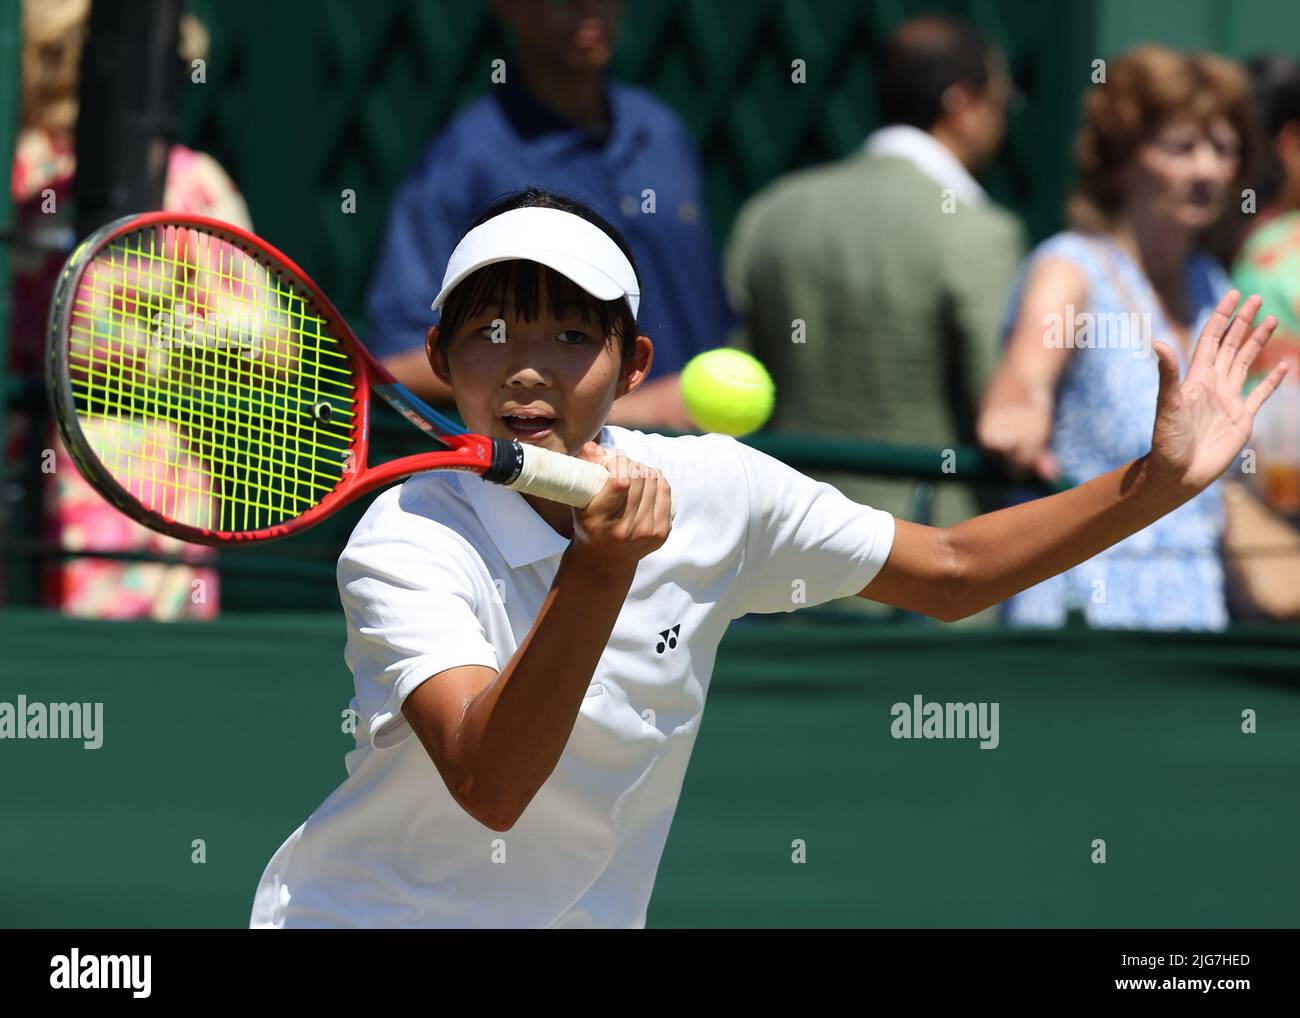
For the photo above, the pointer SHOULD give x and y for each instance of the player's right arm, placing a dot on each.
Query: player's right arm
(1015, 418)
(496, 737)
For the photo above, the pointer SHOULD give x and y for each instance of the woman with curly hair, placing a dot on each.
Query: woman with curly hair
(1167, 142)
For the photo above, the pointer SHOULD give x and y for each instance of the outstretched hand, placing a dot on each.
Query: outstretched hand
(1202, 421)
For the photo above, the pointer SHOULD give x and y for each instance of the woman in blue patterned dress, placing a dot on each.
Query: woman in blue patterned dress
(1163, 149)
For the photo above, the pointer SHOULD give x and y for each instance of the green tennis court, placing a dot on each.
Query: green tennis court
(231, 733)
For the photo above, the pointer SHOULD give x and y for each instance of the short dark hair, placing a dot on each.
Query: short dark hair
(924, 58)
(1275, 90)
(524, 280)
(1275, 93)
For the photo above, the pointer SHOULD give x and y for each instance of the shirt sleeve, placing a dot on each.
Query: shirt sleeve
(426, 221)
(807, 542)
(410, 608)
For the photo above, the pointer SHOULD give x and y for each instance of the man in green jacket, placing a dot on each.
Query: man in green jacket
(873, 287)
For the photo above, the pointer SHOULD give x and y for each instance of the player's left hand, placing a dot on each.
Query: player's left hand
(1202, 421)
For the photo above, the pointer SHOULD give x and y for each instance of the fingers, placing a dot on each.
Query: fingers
(611, 498)
(1207, 346)
(650, 513)
(1023, 456)
(1167, 364)
(1002, 430)
(641, 512)
(592, 453)
(1265, 388)
(1249, 351)
(628, 480)
(1237, 330)
(1237, 345)
(645, 514)
(1046, 466)
(663, 505)
(994, 434)
(1013, 445)
(636, 503)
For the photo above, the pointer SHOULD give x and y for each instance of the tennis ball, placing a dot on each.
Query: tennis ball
(727, 391)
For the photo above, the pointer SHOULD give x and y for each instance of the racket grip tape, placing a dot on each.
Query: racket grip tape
(555, 476)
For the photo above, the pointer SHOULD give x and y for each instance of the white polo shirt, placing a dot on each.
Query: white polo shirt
(446, 570)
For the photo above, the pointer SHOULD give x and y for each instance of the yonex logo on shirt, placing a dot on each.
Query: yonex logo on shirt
(668, 639)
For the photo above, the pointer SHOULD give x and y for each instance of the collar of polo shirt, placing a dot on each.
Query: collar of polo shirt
(573, 247)
(520, 534)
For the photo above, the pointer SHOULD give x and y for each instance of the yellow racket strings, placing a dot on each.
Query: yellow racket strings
(207, 383)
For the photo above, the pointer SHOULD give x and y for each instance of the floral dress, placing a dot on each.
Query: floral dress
(1169, 575)
(75, 515)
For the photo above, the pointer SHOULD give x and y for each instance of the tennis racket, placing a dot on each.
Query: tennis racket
(208, 389)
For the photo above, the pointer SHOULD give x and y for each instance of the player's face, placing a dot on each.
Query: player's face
(549, 382)
(1185, 171)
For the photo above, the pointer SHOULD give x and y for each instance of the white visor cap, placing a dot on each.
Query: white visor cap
(579, 250)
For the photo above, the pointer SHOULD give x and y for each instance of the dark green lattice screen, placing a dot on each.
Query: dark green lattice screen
(304, 98)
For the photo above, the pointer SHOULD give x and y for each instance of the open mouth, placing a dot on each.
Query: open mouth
(528, 426)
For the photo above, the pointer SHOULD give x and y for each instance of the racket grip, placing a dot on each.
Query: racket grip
(564, 479)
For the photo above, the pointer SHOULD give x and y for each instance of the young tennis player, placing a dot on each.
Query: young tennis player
(530, 678)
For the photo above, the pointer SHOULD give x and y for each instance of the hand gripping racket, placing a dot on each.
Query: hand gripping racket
(205, 386)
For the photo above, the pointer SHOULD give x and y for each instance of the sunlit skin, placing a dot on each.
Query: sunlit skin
(562, 367)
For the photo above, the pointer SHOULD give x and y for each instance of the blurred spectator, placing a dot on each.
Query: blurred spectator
(560, 123)
(1165, 144)
(896, 264)
(1266, 257)
(43, 191)
(1264, 567)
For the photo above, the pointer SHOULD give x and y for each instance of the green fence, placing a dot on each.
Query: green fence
(302, 100)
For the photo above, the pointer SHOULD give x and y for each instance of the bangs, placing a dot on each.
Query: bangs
(518, 287)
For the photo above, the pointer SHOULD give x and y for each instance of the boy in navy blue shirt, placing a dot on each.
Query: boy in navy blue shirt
(558, 122)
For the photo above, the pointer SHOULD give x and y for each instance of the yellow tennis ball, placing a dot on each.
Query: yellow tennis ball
(727, 391)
